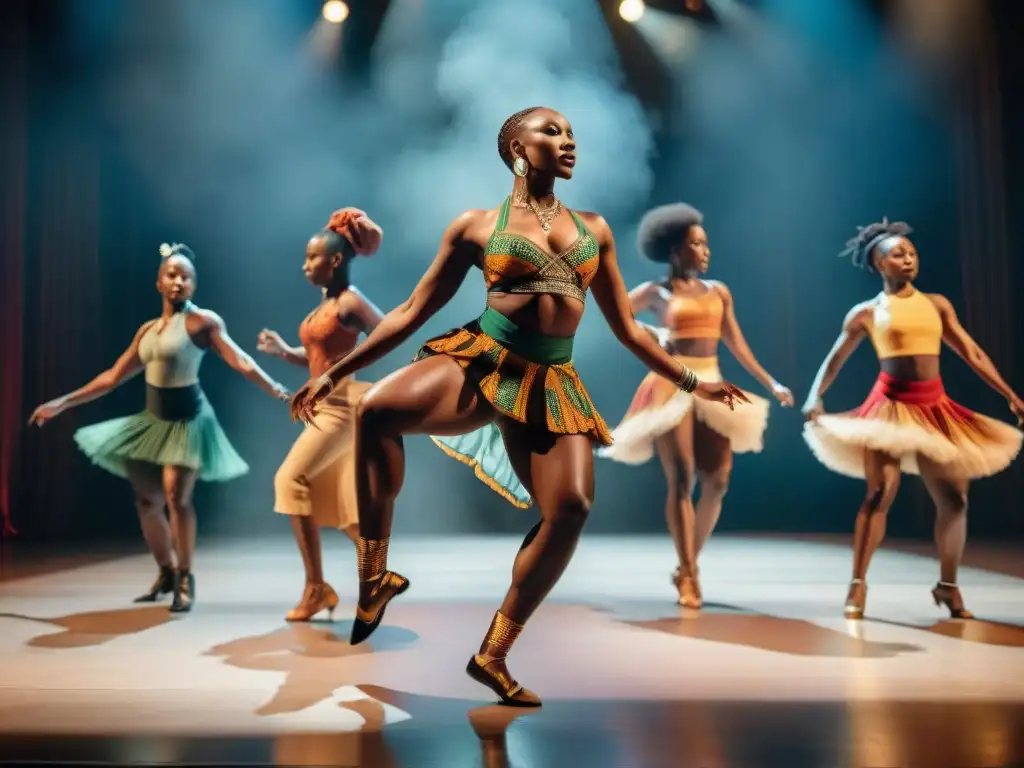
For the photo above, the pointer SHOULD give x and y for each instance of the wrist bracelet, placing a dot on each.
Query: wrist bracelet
(688, 380)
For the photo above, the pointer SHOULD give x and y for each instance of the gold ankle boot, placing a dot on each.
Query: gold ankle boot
(490, 669)
(387, 585)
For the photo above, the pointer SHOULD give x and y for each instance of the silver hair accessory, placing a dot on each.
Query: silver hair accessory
(166, 250)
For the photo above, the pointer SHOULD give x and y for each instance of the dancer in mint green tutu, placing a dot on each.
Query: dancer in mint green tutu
(176, 440)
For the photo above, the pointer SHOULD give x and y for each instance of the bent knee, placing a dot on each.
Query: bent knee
(880, 495)
(573, 509)
(954, 502)
(376, 412)
(149, 503)
(715, 483)
(288, 483)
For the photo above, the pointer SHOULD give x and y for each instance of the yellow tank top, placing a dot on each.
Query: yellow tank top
(904, 326)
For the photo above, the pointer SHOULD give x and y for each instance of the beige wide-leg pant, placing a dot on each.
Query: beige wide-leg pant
(317, 476)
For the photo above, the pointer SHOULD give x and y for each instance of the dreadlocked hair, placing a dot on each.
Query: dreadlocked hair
(858, 248)
(508, 130)
(662, 229)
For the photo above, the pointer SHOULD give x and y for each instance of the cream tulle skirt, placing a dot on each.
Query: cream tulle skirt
(659, 406)
(906, 419)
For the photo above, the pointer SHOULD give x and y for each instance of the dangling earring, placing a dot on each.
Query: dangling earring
(519, 167)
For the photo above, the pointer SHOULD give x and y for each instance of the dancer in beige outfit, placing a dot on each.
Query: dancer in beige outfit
(316, 482)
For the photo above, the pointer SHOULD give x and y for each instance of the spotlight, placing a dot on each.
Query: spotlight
(335, 11)
(631, 10)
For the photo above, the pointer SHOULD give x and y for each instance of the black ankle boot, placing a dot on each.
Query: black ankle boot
(184, 592)
(163, 585)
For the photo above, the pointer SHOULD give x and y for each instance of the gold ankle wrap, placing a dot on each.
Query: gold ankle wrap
(502, 633)
(372, 555)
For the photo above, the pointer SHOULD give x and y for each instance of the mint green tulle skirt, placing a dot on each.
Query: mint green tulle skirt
(178, 428)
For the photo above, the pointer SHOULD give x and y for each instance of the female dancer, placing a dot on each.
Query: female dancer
(315, 484)
(177, 440)
(908, 423)
(508, 372)
(693, 438)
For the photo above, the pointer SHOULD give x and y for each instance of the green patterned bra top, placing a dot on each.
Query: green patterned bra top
(515, 264)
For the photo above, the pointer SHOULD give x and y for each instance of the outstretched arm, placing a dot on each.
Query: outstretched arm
(957, 339)
(737, 344)
(646, 297)
(853, 333)
(126, 366)
(216, 336)
(454, 259)
(271, 342)
(613, 301)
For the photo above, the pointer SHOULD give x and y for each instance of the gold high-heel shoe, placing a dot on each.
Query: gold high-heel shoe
(948, 594)
(854, 609)
(316, 598)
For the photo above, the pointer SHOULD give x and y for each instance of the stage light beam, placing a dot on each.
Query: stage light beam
(335, 11)
(631, 10)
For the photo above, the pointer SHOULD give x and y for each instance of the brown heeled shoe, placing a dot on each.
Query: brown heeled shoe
(688, 588)
(482, 670)
(948, 594)
(316, 598)
(386, 588)
(854, 607)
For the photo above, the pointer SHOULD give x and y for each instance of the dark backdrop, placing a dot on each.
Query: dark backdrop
(79, 229)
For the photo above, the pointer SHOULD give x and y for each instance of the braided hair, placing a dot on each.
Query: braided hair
(662, 229)
(858, 248)
(508, 130)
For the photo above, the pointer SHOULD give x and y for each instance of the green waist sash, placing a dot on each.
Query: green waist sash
(536, 347)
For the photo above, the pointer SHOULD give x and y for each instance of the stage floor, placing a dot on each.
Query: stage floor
(769, 673)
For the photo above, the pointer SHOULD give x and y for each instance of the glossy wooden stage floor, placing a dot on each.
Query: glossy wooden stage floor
(769, 673)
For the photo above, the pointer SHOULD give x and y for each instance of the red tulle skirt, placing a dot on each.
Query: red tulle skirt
(907, 419)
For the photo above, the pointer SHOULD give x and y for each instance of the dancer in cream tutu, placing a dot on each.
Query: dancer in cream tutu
(695, 439)
(908, 424)
(177, 439)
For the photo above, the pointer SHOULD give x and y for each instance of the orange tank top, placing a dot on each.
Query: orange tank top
(695, 317)
(905, 325)
(326, 338)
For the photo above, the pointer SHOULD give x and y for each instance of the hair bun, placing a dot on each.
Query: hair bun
(360, 230)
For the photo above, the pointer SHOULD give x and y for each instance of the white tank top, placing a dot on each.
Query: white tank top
(171, 358)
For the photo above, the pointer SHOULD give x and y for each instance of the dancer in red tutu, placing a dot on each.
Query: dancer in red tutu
(908, 424)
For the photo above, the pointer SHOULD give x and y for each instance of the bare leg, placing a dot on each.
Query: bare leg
(307, 536)
(713, 454)
(179, 482)
(558, 470)
(149, 503)
(950, 496)
(147, 487)
(431, 396)
(676, 452)
(883, 481)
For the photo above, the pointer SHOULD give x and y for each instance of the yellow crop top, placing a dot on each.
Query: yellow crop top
(695, 317)
(904, 326)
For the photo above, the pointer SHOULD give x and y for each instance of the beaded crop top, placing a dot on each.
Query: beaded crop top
(515, 264)
(326, 338)
(695, 317)
(905, 325)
